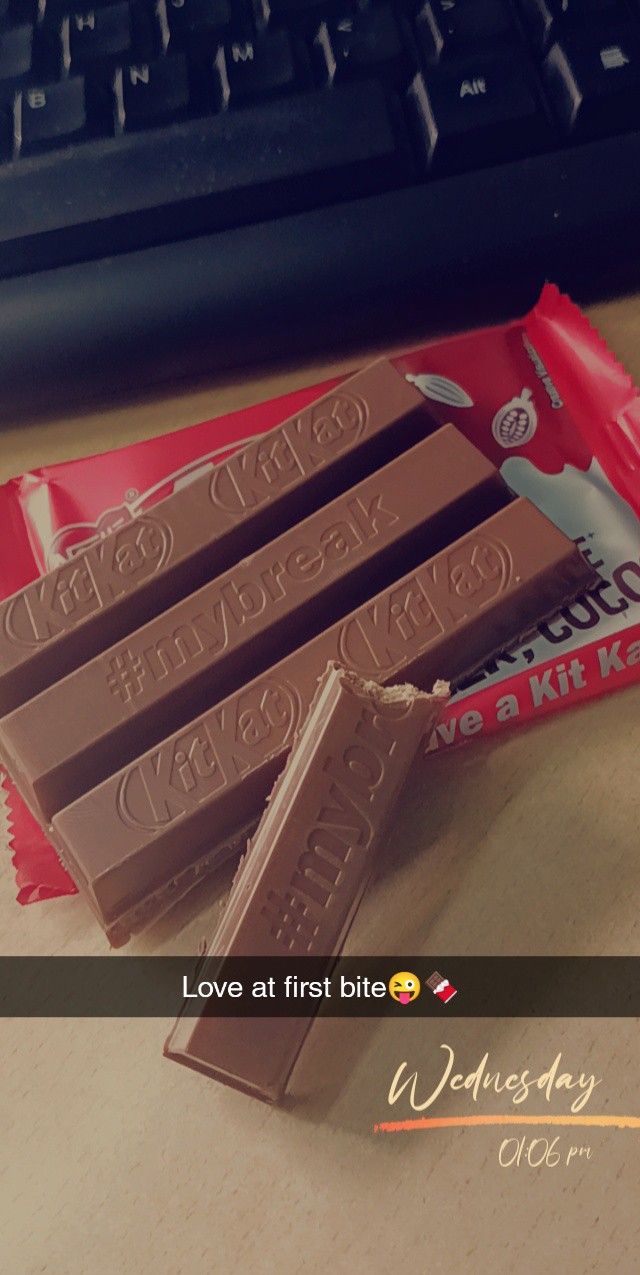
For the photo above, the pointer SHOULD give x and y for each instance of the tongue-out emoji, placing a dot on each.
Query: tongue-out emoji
(404, 987)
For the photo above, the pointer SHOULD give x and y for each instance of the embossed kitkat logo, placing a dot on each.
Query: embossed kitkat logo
(101, 572)
(477, 570)
(299, 447)
(174, 779)
(385, 632)
(407, 618)
(338, 418)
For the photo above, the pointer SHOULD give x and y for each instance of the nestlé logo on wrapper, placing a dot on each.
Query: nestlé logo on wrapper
(99, 572)
(177, 777)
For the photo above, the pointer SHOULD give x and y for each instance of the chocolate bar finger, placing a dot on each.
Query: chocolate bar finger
(306, 869)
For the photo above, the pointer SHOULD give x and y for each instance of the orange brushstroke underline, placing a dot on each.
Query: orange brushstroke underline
(448, 1122)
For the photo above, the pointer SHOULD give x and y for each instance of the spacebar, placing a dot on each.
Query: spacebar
(206, 174)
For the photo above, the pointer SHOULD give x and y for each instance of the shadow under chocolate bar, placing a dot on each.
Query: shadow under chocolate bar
(304, 874)
(121, 580)
(140, 840)
(84, 727)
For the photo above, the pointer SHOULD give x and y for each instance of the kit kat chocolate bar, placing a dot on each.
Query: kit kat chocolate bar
(120, 581)
(386, 543)
(136, 692)
(305, 872)
(140, 840)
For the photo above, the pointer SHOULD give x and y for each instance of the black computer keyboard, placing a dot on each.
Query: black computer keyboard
(189, 182)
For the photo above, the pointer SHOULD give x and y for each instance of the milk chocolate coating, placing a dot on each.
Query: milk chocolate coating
(123, 579)
(135, 693)
(142, 838)
(306, 869)
(155, 754)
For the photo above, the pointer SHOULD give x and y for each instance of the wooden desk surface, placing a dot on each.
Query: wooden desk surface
(116, 1161)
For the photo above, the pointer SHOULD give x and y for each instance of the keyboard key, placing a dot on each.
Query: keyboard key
(594, 80)
(288, 154)
(478, 112)
(192, 21)
(547, 19)
(101, 34)
(16, 50)
(154, 92)
(362, 43)
(261, 67)
(50, 116)
(455, 27)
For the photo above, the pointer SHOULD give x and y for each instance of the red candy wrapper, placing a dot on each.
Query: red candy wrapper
(541, 396)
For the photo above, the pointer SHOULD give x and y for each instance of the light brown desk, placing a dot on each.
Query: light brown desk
(117, 1162)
